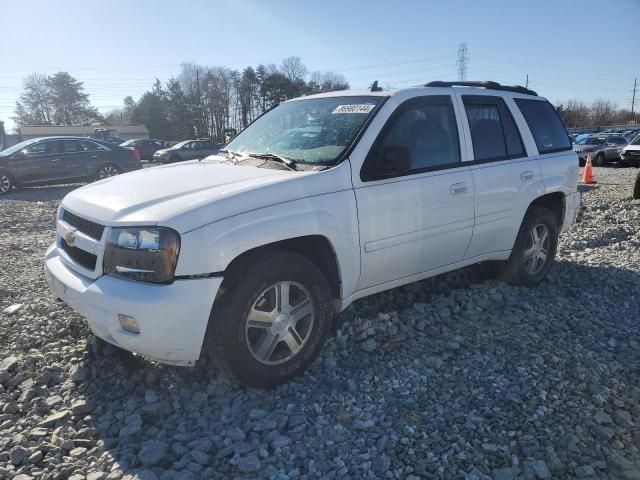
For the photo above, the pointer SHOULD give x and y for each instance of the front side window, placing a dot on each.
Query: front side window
(42, 148)
(315, 130)
(619, 141)
(427, 129)
(89, 146)
(493, 131)
(545, 125)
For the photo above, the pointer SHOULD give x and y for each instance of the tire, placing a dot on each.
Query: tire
(599, 160)
(528, 269)
(6, 182)
(256, 352)
(174, 159)
(636, 187)
(107, 170)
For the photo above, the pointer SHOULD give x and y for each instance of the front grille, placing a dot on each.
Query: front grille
(86, 259)
(94, 230)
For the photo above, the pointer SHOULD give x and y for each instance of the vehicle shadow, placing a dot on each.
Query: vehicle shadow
(41, 194)
(152, 416)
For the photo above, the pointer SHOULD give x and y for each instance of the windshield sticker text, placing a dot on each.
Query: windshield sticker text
(361, 108)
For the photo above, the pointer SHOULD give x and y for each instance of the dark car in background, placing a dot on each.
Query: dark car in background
(186, 150)
(51, 160)
(146, 147)
(604, 148)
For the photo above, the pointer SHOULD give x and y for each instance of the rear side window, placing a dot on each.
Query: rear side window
(493, 131)
(71, 146)
(89, 146)
(545, 125)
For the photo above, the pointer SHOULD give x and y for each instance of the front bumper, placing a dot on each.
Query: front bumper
(172, 318)
(572, 206)
(631, 159)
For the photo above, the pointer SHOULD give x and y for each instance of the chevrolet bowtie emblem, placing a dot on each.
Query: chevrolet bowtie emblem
(70, 237)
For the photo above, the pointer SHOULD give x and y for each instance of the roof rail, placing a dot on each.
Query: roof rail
(486, 84)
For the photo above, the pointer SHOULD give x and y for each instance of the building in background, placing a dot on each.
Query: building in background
(124, 132)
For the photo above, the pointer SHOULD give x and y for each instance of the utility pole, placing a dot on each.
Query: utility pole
(527, 84)
(463, 60)
(633, 101)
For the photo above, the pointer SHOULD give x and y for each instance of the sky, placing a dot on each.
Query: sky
(570, 49)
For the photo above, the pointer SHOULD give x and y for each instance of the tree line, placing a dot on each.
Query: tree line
(200, 102)
(600, 112)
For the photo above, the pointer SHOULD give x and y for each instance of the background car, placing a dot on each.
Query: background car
(603, 148)
(630, 154)
(146, 147)
(51, 160)
(186, 150)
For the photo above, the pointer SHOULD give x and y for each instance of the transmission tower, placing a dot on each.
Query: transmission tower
(463, 60)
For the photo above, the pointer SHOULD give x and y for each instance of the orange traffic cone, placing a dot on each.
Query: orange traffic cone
(587, 175)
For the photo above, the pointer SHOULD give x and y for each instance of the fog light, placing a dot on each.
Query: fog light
(128, 323)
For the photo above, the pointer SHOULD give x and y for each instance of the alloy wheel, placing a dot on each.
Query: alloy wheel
(108, 171)
(279, 323)
(5, 183)
(536, 251)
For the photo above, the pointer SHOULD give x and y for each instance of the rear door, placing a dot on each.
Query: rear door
(506, 180)
(95, 154)
(76, 161)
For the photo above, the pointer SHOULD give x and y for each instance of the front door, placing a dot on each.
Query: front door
(38, 162)
(423, 219)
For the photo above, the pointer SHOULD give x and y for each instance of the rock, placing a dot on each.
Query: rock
(602, 418)
(369, 345)
(18, 454)
(96, 476)
(540, 468)
(200, 457)
(507, 473)
(81, 407)
(249, 464)
(51, 420)
(8, 363)
(152, 452)
(11, 310)
(279, 442)
(35, 457)
(585, 471)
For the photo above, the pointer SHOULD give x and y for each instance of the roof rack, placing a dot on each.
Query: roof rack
(486, 84)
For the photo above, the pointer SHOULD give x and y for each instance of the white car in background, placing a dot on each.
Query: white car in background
(248, 255)
(630, 155)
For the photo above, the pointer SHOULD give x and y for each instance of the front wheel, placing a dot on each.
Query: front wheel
(534, 250)
(636, 187)
(6, 183)
(271, 321)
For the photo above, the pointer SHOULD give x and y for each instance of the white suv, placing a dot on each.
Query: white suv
(248, 254)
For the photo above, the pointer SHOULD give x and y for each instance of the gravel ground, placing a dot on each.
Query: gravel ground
(455, 377)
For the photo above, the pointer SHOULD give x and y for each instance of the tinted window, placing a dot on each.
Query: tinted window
(493, 131)
(545, 125)
(71, 146)
(89, 146)
(42, 148)
(618, 140)
(427, 128)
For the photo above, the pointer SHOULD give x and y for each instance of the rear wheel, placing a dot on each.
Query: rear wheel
(108, 170)
(534, 250)
(272, 320)
(636, 187)
(6, 183)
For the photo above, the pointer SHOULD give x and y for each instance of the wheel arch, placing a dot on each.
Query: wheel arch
(554, 202)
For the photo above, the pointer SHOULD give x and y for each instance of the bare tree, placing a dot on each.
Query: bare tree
(602, 112)
(293, 68)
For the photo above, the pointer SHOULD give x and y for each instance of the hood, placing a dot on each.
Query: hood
(188, 195)
(182, 196)
(626, 148)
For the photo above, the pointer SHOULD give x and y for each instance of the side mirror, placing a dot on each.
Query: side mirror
(393, 161)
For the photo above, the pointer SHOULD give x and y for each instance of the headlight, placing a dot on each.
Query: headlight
(143, 254)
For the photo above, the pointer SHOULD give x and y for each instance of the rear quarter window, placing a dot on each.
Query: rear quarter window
(546, 127)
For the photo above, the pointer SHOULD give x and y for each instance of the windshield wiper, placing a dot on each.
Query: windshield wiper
(233, 156)
(287, 162)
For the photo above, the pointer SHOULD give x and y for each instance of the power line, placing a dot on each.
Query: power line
(463, 61)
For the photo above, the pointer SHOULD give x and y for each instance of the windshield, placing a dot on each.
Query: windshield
(591, 141)
(316, 130)
(17, 147)
(635, 141)
(181, 144)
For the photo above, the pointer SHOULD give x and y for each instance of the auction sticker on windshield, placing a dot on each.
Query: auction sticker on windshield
(358, 108)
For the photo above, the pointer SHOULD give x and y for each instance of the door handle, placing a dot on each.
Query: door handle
(94, 156)
(56, 159)
(526, 176)
(458, 188)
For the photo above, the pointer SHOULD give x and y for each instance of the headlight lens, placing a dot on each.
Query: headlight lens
(143, 254)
